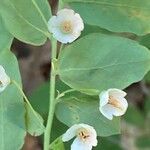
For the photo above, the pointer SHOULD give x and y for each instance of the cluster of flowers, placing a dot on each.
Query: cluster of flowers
(66, 27)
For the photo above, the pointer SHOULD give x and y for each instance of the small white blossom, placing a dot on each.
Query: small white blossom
(86, 137)
(113, 103)
(66, 26)
(4, 79)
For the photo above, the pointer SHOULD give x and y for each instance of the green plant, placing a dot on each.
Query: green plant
(103, 57)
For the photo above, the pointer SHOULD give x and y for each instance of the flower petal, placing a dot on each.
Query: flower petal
(52, 23)
(104, 97)
(77, 23)
(124, 105)
(117, 92)
(65, 13)
(79, 145)
(4, 79)
(70, 133)
(107, 111)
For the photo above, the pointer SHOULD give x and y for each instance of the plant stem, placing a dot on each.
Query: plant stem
(47, 133)
(65, 92)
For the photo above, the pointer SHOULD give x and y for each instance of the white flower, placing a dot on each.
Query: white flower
(113, 103)
(4, 79)
(86, 137)
(66, 26)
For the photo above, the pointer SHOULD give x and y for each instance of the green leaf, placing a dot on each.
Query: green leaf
(26, 19)
(5, 37)
(109, 143)
(98, 62)
(147, 77)
(44, 8)
(145, 40)
(34, 122)
(58, 129)
(81, 108)
(88, 29)
(57, 144)
(12, 111)
(115, 15)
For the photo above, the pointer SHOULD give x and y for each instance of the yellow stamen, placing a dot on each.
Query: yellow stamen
(66, 27)
(83, 134)
(114, 102)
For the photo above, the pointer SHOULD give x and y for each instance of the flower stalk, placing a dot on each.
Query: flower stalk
(47, 133)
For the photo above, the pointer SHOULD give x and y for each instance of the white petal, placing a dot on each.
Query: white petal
(107, 111)
(65, 13)
(52, 23)
(117, 92)
(57, 34)
(72, 37)
(79, 145)
(4, 79)
(93, 140)
(104, 97)
(124, 105)
(77, 23)
(64, 38)
(70, 133)
(2, 69)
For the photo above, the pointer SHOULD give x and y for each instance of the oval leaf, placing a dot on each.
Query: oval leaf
(5, 37)
(84, 109)
(12, 123)
(12, 111)
(115, 15)
(34, 122)
(26, 19)
(100, 62)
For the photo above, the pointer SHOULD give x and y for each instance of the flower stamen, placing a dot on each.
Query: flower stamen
(83, 134)
(114, 102)
(66, 27)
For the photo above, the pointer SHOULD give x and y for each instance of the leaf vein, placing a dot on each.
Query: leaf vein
(94, 68)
